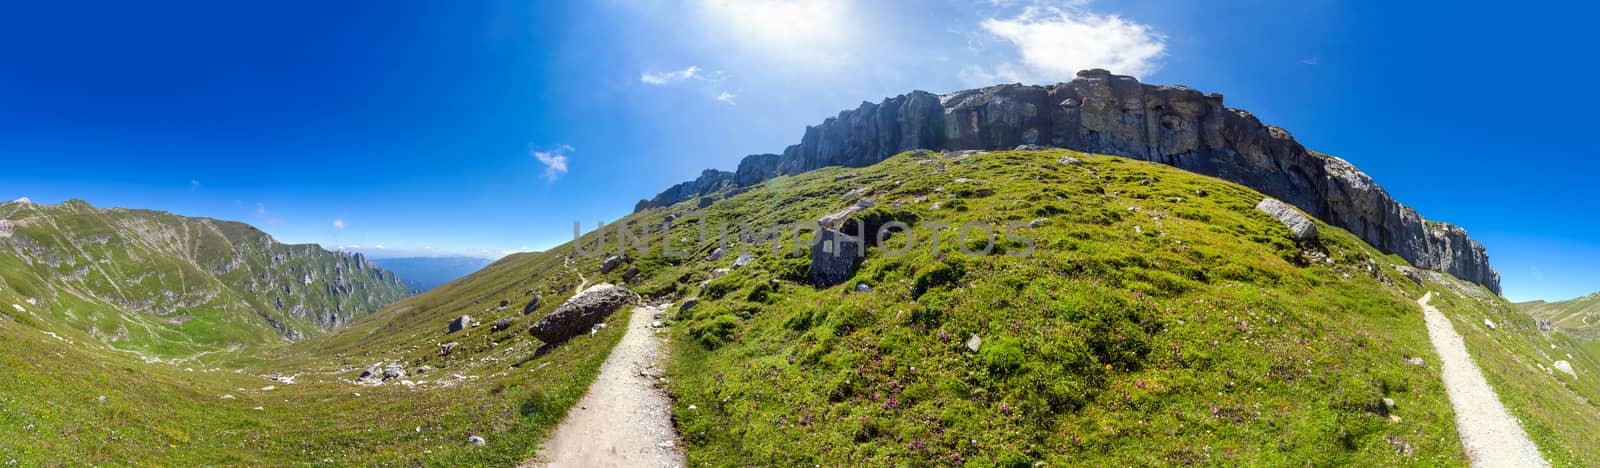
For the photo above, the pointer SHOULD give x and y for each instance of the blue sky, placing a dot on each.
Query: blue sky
(488, 127)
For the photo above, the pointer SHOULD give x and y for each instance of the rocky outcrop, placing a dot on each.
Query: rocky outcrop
(710, 180)
(1298, 224)
(1103, 113)
(834, 258)
(584, 310)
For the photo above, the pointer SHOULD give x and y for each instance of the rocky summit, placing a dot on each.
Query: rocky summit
(1099, 112)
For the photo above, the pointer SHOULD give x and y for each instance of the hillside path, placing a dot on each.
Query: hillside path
(624, 420)
(1491, 437)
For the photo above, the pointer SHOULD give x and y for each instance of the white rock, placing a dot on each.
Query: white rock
(1489, 324)
(478, 441)
(974, 343)
(268, 388)
(1564, 366)
(227, 397)
(18, 307)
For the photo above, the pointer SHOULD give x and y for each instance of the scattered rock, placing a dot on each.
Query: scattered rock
(268, 388)
(1544, 325)
(1416, 361)
(717, 254)
(631, 273)
(1299, 224)
(974, 343)
(1069, 161)
(1036, 223)
(393, 372)
(476, 441)
(501, 324)
(855, 192)
(533, 304)
(744, 259)
(1388, 403)
(460, 323)
(1564, 366)
(1489, 324)
(863, 287)
(611, 263)
(718, 273)
(582, 312)
(688, 304)
(1029, 148)
(504, 303)
(833, 258)
(227, 397)
(444, 349)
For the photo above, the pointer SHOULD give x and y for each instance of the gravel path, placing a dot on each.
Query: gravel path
(624, 420)
(1490, 435)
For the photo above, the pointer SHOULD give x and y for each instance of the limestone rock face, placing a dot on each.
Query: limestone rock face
(1099, 112)
(710, 180)
(582, 311)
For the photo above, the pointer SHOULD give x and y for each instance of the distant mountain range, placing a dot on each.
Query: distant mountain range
(425, 273)
(175, 286)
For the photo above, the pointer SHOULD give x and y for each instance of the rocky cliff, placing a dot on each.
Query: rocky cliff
(1103, 113)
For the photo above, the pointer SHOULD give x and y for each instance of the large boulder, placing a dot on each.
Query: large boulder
(1299, 224)
(610, 263)
(583, 311)
(533, 304)
(460, 323)
(833, 258)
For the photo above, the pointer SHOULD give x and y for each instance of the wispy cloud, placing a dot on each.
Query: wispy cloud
(1054, 42)
(338, 223)
(194, 185)
(554, 161)
(1311, 61)
(694, 72)
(264, 215)
(727, 97)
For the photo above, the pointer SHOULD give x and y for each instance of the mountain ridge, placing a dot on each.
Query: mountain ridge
(1103, 113)
(171, 286)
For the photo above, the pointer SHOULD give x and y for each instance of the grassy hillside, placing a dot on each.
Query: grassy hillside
(1579, 314)
(171, 287)
(1160, 319)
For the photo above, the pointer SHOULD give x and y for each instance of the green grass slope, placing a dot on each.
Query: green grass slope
(171, 287)
(1580, 314)
(1160, 319)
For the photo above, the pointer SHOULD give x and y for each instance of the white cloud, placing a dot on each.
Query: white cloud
(1054, 43)
(338, 223)
(694, 72)
(194, 185)
(555, 162)
(727, 97)
(1311, 61)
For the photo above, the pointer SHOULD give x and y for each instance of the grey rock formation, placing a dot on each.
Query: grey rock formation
(1298, 224)
(583, 311)
(447, 348)
(533, 304)
(710, 180)
(631, 273)
(1103, 113)
(610, 263)
(500, 324)
(834, 258)
(460, 323)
